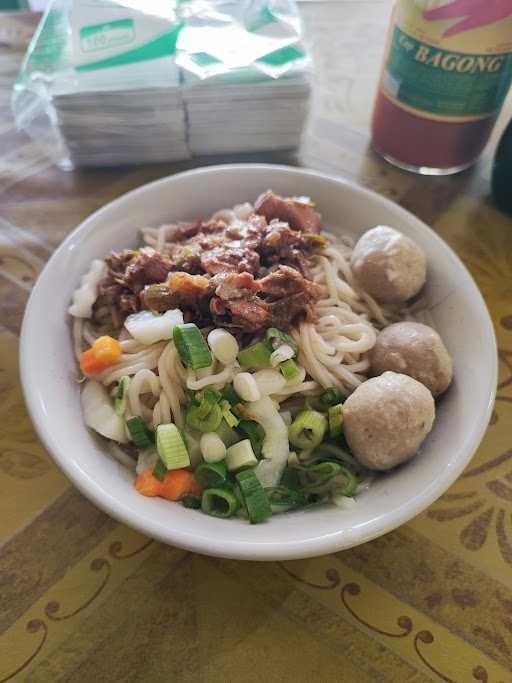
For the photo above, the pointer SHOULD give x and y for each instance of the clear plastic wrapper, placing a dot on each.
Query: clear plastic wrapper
(107, 82)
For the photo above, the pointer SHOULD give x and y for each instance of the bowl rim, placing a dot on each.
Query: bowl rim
(236, 549)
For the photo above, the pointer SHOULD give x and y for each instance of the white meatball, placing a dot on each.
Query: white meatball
(388, 265)
(415, 350)
(386, 419)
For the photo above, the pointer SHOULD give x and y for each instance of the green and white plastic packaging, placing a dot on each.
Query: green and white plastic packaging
(107, 82)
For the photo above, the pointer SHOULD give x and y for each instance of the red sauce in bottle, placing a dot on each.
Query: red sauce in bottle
(443, 83)
(412, 141)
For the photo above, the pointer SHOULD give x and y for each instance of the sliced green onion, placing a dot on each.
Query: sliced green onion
(205, 400)
(211, 474)
(330, 397)
(250, 428)
(230, 418)
(289, 369)
(171, 447)
(230, 395)
(140, 434)
(345, 482)
(219, 503)
(228, 435)
(240, 455)
(256, 356)
(254, 497)
(122, 395)
(160, 470)
(191, 346)
(311, 478)
(277, 337)
(209, 423)
(335, 416)
(308, 429)
(192, 502)
(281, 496)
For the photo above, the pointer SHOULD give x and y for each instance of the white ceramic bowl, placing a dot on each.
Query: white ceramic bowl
(52, 395)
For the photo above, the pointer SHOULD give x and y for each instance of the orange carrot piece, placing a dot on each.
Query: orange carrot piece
(179, 483)
(89, 364)
(147, 484)
(107, 349)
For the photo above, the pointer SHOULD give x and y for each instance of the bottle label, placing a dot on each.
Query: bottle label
(449, 61)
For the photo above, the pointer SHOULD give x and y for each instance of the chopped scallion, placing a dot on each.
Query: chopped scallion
(122, 395)
(254, 497)
(250, 428)
(311, 478)
(289, 369)
(277, 337)
(345, 482)
(230, 395)
(211, 474)
(171, 447)
(330, 397)
(191, 346)
(209, 423)
(231, 419)
(281, 496)
(160, 470)
(205, 400)
(219, 503)
(335, 416)
(308, 429)
(256, 356)
(140, 434)
(240, 455)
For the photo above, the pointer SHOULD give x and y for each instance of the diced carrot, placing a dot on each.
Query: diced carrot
(179, 483)
(147, 484)
(107, 349)
(89, 364)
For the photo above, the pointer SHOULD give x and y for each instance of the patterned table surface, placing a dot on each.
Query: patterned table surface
(84, 598)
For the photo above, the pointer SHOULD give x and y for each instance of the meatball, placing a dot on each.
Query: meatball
(415, 350)
(386, 419)
(388, 265)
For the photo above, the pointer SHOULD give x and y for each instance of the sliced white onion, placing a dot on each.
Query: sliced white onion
(148, 328)
(99, 412)
(85, 295)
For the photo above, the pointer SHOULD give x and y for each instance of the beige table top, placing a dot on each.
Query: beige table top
(84, 598)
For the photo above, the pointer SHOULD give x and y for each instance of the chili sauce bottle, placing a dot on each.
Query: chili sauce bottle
(447, 70)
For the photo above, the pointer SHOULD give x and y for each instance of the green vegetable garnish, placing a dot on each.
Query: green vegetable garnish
(254, 497)
(289, 369)
(140, 433)
(256, 356)
(171, 447)
(308, 429)
(219, 502)
(192, 347)
(211, 474)
(210, 423)
(335, 417)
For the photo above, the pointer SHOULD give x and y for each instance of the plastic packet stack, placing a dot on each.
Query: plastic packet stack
(245, 76)
(106, 82)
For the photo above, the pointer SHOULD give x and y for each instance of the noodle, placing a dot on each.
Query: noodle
(143, 381)
(172, 382)
(332, 349)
